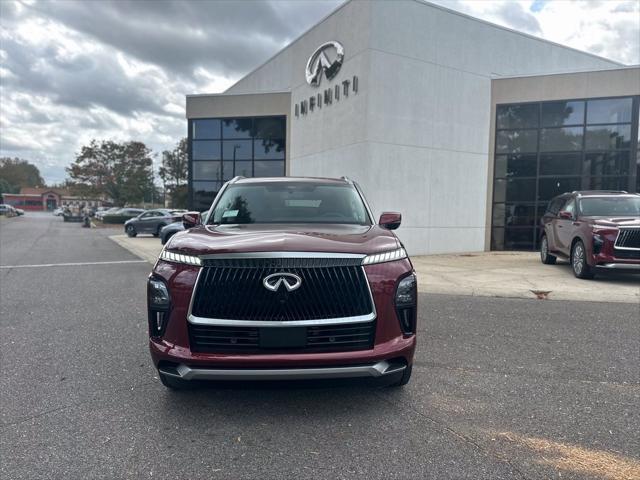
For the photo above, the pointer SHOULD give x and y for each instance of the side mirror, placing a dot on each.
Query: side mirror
(190, 220)
(565, 215)
(390, 220)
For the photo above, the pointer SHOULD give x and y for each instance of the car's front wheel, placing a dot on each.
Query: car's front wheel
(131, 231)
(581, 269)
(545, 256)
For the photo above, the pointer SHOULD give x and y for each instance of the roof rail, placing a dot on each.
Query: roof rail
(346, 179)
(596, 192)
(236, 178)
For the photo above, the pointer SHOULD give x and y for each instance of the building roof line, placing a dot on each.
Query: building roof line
(224, 94)
(527, 35)
(333, 12)
(439, 7)
(571, 72)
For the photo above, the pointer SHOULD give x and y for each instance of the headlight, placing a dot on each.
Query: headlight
(407, 304)
(390, 256)
(180, 258)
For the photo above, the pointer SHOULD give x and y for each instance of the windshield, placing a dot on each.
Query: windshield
(610, 206)
(290, 203)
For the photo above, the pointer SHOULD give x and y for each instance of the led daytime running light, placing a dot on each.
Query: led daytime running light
(179, 258)
(398, 254)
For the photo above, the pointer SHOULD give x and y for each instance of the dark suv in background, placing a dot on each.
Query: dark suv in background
(592, 229)
(286, 278)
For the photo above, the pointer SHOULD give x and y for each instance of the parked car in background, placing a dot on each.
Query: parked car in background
(592, 229)
(152, 221)
(7, 210)
(58, 212)
(290, 278)
(121, 215)
(106, 211)
(19, 211)
(170, 230)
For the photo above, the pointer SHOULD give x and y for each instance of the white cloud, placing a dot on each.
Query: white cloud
(74, 71)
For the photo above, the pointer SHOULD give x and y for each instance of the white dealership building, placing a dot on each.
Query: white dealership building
(466, 127)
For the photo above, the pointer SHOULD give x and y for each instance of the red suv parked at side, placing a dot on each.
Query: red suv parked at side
(284, 278)
(592, 229)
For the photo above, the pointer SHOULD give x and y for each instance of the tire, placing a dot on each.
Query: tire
(545, 256)
(579, 265)
(406, 376)
(173, 383)
(131, 231)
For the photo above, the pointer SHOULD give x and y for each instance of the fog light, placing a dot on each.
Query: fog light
(158, 302)
(406, 304)
(598, 242)
(157, 294)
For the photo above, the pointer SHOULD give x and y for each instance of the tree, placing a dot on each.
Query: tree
(120, 171)
(16, 173)
(174, 173)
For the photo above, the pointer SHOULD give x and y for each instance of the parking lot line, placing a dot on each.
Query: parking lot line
(74, 264)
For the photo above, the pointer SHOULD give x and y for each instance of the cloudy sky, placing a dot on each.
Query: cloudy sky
(71, 71)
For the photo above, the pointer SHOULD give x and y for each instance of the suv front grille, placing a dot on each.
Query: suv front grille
(232, 289)
(319, 338)
(628, 238)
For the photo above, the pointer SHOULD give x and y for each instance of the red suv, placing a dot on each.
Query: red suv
(593, 229)
(284, 278)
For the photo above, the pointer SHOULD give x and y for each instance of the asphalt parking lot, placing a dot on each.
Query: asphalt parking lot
(502, 388)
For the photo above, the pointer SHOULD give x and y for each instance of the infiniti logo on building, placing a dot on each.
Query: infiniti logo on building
(319, 62)
(290, 281)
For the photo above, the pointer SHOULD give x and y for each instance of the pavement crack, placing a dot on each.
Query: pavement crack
(6, 426)
(464, 438)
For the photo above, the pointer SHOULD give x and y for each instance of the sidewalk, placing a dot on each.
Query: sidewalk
(492, 274)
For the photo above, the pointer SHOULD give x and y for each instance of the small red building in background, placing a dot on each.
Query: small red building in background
(43, 199)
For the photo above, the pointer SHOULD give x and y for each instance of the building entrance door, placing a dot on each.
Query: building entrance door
(51, 204)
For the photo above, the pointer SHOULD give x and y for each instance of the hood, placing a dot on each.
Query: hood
(614, 221)
(332, 238)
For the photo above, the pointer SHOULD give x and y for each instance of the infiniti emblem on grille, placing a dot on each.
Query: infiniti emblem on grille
(290, 281)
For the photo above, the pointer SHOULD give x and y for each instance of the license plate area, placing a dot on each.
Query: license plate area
(283, 337)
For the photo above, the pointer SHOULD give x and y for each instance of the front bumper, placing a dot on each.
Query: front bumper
(376, 370)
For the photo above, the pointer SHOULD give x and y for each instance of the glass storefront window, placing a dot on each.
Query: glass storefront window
(516, 166)
(610, 163)
(517, 116)
(514, 189)
(558, 114)
(268, 168)
(206, 129)
(561, 139)
(577, 144)
(237, 128)
(205, 150)
(611, 110)
(222, 148)
(207, 170)
(561, 164)
(517, 141)
(550, 187)
(608, 137)
(236, 150)
(268, 149)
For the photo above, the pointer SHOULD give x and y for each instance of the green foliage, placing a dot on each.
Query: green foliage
(119, 171)
(174, 173)
(6, 187)
(179, 196)
(16, 173)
